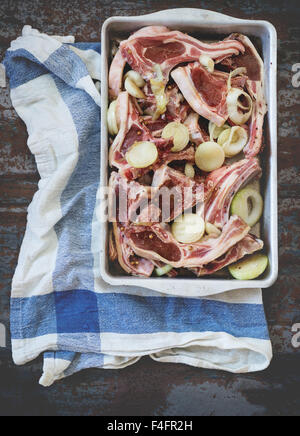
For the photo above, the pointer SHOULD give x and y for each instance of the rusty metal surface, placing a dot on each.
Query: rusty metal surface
(150, 388)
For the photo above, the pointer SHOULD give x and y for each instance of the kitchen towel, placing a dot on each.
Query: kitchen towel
(60, 306)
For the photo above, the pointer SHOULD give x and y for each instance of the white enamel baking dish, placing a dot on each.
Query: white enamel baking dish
(208, 23)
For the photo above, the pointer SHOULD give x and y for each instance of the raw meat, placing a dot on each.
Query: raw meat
(225, 182)
(132, 129)
(247, 246)
(198, 135)
(157, 243)
(251, 60)
(205, 92)
(159, 45)
(115, 77)
(129, 261)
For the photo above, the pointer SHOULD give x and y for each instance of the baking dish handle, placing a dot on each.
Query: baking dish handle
(203, 15)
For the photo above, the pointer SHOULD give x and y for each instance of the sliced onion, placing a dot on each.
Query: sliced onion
(188, 228)
(240, 206)
(249, 268)
(237, 72)
(224, 136)
(189, 170)
(142, 154)
(207, 62)
(158, 89)
(180, 134)
(215, 131)
(163, 270)
(236, 115)
(132, 89)
(209, 156)
(135, 77)
(112, 119)
(212, 230)
(158, 72)
(233, 140)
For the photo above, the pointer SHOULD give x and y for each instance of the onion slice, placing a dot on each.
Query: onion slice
(133, 89)
(180, 134)
(189, 170)
(158, 89)
(142, 154)
(215, 131)
(233, 140)
(237, 72)
(249, 268)
(188, 228)
(212, 230)
(112, 119)
(163, 270)
(209, 156)
(135, 77)
(247, 204)
(207, 63)
(235, 107)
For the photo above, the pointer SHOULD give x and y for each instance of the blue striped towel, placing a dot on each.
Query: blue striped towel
(60, 306)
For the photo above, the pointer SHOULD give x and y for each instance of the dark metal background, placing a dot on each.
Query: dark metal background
(150, 388)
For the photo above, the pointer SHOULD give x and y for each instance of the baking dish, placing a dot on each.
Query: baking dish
(210, 24)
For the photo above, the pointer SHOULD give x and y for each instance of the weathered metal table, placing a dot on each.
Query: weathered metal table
(150, 388)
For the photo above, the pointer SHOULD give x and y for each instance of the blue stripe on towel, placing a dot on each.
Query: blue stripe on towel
(21, 67)
(82, 311)
(121, 313)
(25, 312)
(77, 312)
(78, 200)
(65, 65)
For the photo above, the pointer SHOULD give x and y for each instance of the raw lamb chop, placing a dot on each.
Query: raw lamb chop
(157, 243)
(248, 245)
(251, 60)
(128, 260)
(170, 194)
(226, 181)
(159, 45)
(126, 197)
(205, 92)
(132, 129)
(173, 193)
